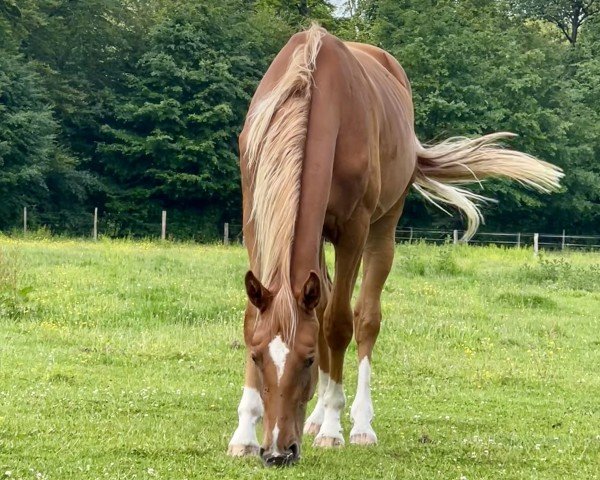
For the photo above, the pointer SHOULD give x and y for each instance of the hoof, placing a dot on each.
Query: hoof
(363, 439)
(312, 429)
(328, 442)
(242, 450)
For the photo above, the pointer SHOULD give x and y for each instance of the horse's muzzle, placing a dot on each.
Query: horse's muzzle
(285, 459)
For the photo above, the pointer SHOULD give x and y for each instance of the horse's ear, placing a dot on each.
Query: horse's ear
(311, 292)
(257, 293)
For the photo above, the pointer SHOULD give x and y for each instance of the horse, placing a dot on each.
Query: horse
(328, 151)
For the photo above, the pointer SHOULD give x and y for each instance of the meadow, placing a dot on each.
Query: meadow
(124, 360)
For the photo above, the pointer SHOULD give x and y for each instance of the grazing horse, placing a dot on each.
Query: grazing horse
(328, 151)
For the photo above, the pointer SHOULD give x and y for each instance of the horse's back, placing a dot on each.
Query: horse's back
(363, 104)
(396, 158)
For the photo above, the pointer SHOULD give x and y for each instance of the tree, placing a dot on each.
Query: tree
(296, 13)
(172, 139)
(135, 105)
(35, 170)
(474, 70)
(567, 15)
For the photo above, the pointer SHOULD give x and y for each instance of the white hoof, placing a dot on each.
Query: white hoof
(323, 441)
(363, 438)
(243, 450)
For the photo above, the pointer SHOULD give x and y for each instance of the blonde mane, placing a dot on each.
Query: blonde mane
(275, 151)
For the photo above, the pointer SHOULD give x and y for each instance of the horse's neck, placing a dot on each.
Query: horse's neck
(316, 178)
(314, 195)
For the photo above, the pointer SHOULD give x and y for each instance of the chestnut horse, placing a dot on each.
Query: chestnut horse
(328, 151)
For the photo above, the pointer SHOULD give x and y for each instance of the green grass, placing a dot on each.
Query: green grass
(122, 360)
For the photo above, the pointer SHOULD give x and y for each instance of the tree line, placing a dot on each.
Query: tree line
(134, 106)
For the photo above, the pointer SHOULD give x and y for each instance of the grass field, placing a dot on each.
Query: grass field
(122, 360)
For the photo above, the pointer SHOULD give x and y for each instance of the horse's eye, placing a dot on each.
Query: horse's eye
(309, 361)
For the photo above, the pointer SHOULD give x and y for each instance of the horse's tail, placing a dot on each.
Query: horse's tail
(462, 160)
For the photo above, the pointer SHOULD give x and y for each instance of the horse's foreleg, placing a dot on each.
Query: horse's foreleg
(315, 419)
(377, 263)
(338, 326)
(244, 441)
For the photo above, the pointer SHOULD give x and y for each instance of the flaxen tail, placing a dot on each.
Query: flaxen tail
(462, 160)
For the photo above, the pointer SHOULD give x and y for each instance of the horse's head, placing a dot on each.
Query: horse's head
(286, 363)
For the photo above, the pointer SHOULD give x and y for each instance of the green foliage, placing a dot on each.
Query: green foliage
(567, 15)
(13, 296)
(475, 70)
(135, 105)
(298, 13)
(443, 263)
(35, 170)
(172, 141)
(561, 273)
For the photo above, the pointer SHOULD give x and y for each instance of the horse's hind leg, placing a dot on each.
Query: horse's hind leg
(244, 441)
(377, 262)
(315, 419)
(338, 324)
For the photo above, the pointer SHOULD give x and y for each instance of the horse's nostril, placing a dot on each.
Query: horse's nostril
(295, 450)
(261, 452)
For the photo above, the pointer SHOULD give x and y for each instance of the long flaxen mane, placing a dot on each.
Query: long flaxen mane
(275, 151)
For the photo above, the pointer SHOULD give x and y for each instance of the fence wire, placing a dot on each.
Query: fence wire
(545, 240)
(179, 226)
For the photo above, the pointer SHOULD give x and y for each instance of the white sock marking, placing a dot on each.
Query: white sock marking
(362, 407)
(250, 411)
(278, 351)
(316, 417)
(334, 401)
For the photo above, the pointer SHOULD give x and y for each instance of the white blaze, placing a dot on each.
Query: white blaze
(275, 437)
(278, 351)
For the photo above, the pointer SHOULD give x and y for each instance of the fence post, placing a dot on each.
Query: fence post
(519, 240)
(536, 243)
(411, 235)
(24, 220)
(562, 246)
(95, 232)
(163, 231)
(226, 234)
(455, 237)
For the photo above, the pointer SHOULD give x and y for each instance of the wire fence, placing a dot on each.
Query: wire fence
(152, 224)
(95, 225)
(545, 241)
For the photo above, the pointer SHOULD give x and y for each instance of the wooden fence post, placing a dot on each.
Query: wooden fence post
(95, 231)
(411, 235)
(163, 231)
(226, 234)
(24, 220)
(519, 240)
(455, 237)
(536, 243)
(562, 246)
